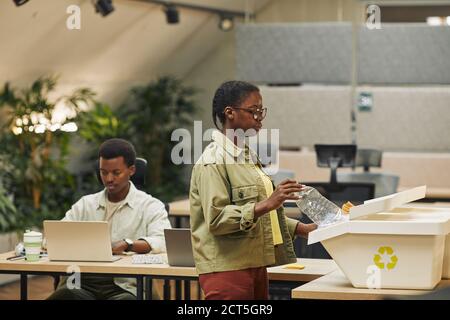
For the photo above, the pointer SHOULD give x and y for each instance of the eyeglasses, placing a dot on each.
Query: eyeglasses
(258, 113)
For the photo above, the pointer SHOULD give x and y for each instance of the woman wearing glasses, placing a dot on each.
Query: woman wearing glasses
(237, 219)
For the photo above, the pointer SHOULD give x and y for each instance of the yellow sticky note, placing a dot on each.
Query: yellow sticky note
(295, 266)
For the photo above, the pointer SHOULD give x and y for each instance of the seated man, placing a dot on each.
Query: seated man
(137, 222)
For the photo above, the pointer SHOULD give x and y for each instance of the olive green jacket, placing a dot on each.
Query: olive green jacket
(225, 235)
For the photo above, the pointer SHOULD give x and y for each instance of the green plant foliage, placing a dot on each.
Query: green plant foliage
(37, 176)
(35, 184)
(8, 212)
(158, 109)
(101, 123)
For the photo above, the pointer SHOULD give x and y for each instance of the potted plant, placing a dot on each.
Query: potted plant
(156, 110)
(37, 149)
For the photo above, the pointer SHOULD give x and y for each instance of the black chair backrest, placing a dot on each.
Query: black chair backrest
(335, 156)
(339, 193)
(345, 153)
(138, 178)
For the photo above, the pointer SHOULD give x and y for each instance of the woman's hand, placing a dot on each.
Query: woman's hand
(304, 229)
(284, 191)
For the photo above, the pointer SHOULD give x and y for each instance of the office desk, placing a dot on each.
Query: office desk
(283, 280)
(180, 209)
(335, 286)
(121, 268)
(314, 268)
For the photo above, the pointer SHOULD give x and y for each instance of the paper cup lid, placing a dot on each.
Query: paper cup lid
(32, 234)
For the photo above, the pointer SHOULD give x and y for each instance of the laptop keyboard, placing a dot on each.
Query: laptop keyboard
(149, 259)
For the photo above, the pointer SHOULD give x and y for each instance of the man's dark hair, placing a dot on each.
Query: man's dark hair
(230, 94)
(114, 148)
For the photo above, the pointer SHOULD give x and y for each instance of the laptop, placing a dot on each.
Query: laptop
(78, 241)
(179, 247)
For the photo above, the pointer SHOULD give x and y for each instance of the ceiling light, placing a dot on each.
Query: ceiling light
(226, 23)
(434, 21)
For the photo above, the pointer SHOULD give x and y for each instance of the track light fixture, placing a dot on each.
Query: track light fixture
(227, 17)
(226, 23)
(104, 7)
(20, 2)
(172, 14)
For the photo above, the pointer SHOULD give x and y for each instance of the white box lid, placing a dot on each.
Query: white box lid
(387, 203)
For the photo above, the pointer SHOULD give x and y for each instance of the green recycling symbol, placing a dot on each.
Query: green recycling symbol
(378, 260)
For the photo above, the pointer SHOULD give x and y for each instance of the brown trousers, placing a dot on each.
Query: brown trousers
(247, 284)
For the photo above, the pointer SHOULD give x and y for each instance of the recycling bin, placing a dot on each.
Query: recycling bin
(385, 245)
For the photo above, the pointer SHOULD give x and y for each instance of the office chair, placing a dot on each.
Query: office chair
(335, 156)
(138, 178)
(338, 193)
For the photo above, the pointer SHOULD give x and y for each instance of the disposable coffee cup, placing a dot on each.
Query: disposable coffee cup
(32, 241)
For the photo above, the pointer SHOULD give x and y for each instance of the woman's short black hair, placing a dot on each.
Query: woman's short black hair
(230, 93)
(114, 148)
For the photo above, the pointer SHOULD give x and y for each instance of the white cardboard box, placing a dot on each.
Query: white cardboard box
(383, 245)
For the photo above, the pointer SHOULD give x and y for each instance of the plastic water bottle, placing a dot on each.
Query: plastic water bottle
(319, 209)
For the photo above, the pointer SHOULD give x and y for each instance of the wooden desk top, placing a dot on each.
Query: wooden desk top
(122, 266)
(314, 268)
(181, 208)
(335, 286)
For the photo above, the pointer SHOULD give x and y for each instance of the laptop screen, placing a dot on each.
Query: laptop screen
(179, 247)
